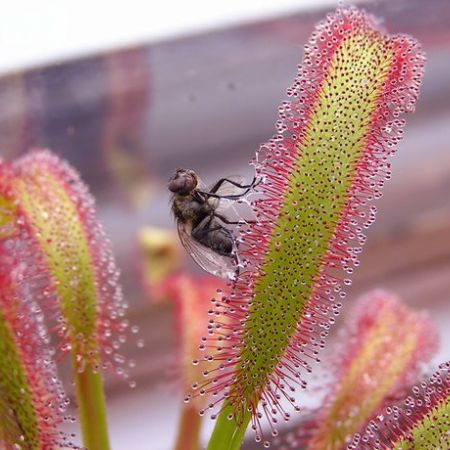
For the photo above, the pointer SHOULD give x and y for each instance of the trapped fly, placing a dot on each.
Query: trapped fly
(201, 222)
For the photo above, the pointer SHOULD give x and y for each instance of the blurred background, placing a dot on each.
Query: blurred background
(129, 91)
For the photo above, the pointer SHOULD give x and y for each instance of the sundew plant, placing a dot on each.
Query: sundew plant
(247, 345)
(55, 258)
(320, 176)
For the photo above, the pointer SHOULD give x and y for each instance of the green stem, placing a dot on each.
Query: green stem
(188, 429)
(239, 435)
(92, 408)
(228, 434)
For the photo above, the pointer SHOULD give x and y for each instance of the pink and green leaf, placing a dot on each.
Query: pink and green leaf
(421, 422)
(319, 178)
(377, 358)
(192, 301)
(32, 401)
(72, 273)
(192, 306)
(57, 214)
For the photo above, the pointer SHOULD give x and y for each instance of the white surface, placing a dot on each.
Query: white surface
(38, 32)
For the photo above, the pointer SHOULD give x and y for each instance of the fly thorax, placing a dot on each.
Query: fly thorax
(186, 208)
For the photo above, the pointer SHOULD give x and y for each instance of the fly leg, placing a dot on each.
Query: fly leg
(215, 188)
(247, 187)
(226, 197)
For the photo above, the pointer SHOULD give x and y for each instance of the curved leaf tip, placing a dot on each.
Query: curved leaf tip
(379, 355)
(421, 422)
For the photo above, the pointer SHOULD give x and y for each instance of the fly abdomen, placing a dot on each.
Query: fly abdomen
(215, 237)
(222, 241)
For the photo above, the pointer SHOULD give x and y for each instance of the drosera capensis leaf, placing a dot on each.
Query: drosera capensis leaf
(420, 422)
(159, 256)
(379, 355)
(319, 176)
(75, 276)
(58, 213)
(32, 400)
(191, 296)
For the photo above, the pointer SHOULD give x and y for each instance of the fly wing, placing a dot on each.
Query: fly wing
(206, 258)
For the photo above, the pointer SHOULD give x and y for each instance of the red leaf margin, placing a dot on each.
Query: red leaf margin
(274, 163)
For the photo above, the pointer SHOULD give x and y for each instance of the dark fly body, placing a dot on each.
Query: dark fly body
(201, 223)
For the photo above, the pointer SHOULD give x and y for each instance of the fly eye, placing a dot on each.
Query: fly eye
(180, 185)
(175, 184)
(182, 182)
